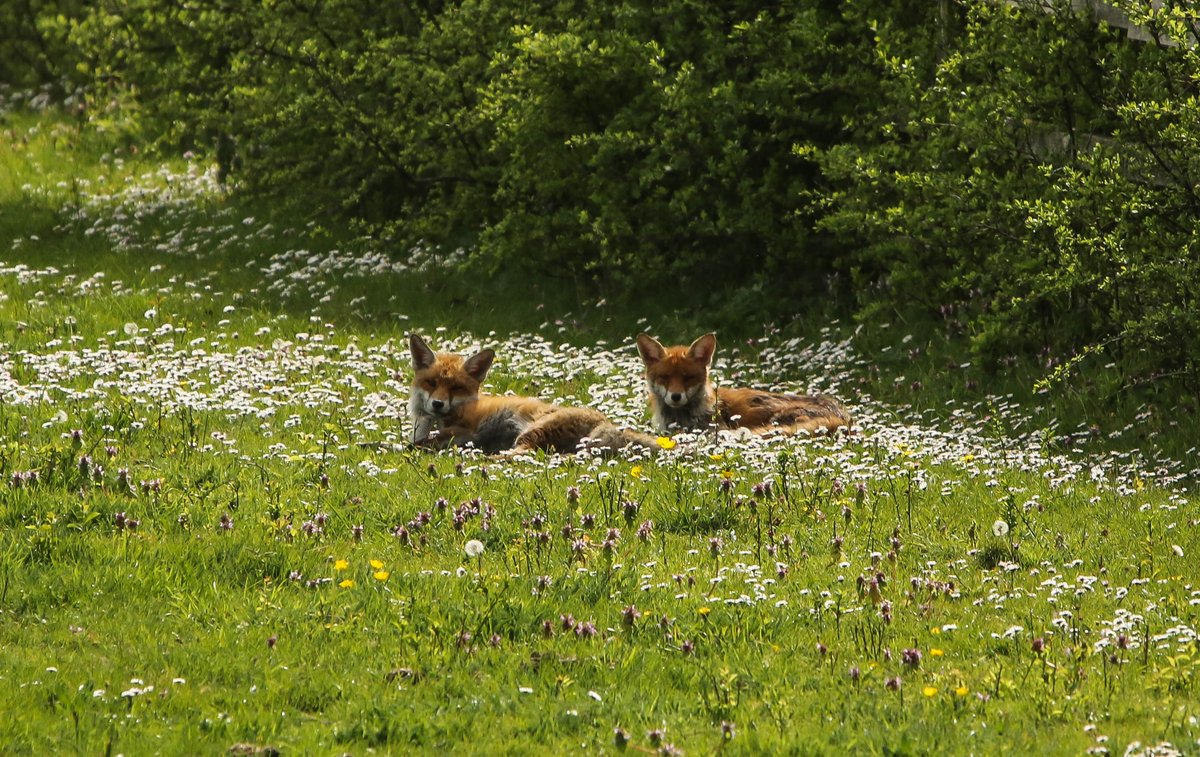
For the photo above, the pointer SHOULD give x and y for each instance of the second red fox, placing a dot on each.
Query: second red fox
(683, 397)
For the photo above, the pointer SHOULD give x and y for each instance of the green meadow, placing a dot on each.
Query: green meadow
(213, 538)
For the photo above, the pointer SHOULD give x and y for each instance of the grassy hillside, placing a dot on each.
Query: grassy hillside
(203, 549)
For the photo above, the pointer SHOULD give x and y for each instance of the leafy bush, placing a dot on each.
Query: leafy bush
(632, 143)
(657, 146)
(1034, 179)
(1020, 169)
(34, 48)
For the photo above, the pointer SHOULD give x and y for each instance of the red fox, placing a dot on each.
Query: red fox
(445, 396)
(682, 395)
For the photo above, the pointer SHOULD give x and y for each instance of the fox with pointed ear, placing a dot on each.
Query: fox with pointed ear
(447, 408)
(683, 396)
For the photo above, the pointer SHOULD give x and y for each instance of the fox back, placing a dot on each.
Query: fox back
(762, 412)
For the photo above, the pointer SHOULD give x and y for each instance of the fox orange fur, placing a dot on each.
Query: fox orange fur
(447, 408)
(682, 395)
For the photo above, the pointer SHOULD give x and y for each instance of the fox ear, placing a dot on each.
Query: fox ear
(422, 356)
(478, 364)
(703, 349)
(650, 349)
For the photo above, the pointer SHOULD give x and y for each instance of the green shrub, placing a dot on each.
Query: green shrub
(656, 147)
(631, 143)
(1019, 169)
(33, 48)
(1034, 180)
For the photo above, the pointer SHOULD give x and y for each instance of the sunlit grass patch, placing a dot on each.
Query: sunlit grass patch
(211, 535)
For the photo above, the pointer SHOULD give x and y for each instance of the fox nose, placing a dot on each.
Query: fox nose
(437, 404)
(676, 397)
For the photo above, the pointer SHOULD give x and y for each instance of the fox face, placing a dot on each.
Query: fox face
(442, 384)
(677, 378)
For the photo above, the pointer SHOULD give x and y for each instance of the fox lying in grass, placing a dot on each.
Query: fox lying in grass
(682, 395)
(447, 408)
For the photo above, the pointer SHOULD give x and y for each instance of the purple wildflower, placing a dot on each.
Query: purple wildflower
(620, 738)
(714, 546)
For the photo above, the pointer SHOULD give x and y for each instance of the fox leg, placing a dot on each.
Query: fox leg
(422, 426)
(606, 436)
(811, 427)
(445, 437)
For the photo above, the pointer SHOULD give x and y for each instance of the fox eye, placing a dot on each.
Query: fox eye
(430, 384)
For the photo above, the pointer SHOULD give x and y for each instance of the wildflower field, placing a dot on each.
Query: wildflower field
(213, 539)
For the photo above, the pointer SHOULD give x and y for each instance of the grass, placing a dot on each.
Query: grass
(198, 555)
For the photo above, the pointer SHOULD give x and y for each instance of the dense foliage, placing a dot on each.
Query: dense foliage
(33, 47)
(1018, 169)
(1035, 182)
(614, 143)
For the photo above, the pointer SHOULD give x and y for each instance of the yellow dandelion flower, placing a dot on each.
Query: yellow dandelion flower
(935, 652)
(935, 630)
(347, 583)
(704, 611)
(727, 473)
(377, 564)
(636, 471)
(665, 442)
(717, 457)
(381, 575)
(341, 565)
(929, 691)
(962, 691)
